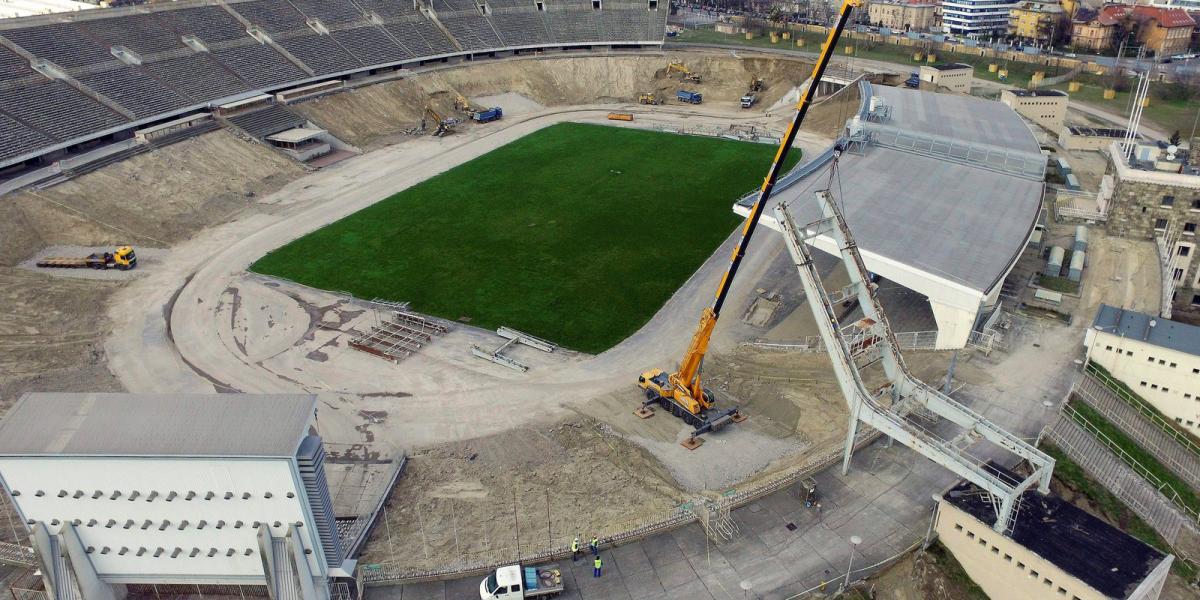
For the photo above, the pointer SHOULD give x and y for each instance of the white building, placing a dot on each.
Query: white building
(121, 490)
(977, 18)
(1157, 358)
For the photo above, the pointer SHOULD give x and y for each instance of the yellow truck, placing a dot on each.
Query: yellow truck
(122, 258)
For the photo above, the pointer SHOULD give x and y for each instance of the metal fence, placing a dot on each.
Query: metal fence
(1171, 447)
(1021, 164)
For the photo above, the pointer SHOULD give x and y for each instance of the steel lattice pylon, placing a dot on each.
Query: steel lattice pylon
(871, 340)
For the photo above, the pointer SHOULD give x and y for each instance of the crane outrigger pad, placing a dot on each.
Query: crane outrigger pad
(707, 423)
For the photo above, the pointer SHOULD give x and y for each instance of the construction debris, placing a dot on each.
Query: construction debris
(512, 336)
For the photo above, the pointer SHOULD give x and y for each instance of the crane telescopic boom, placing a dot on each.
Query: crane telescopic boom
(682, 392)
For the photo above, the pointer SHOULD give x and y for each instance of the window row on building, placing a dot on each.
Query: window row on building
(154, 495)
(166, 524)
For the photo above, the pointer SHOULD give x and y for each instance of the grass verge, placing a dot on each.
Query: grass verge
(1058, 284)
(575, 233)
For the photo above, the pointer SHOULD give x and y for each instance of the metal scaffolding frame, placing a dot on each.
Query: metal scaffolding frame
(871, 341)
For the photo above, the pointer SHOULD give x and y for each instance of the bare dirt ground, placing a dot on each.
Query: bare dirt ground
(467, 501)
(376, 115)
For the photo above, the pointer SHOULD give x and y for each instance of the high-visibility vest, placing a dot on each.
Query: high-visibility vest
(575, 545)
(595, 542)
(597, 562)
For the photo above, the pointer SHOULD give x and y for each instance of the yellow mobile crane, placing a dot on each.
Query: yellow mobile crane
(682, 392)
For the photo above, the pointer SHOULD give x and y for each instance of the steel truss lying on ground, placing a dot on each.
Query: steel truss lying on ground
(888, 409)
(397, 333)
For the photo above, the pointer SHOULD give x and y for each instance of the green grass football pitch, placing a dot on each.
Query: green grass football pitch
(576, 233)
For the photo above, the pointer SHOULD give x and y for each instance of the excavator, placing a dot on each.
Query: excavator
(682, 392)
(688, 75)
(444, 125)
(756, 83)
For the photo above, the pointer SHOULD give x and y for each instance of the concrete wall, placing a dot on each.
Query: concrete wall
(1167, 379)
(1002, 567)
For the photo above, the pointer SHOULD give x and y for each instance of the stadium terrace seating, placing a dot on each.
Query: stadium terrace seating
(274, 16)
(144, 34)
(497, 4)
(372, 45)
(58, 110)
(209, 23)
(37, 112)
(456, 5)
(137, 92)
(201, 78)
(13, 66)
(409, 27)
(268, 121)
(289, 28)
(388, 9)
(63, 44)
(464, 21)
(16, 139)
(574, 26)
(624, 24)
(330, 13)
(472, 31)
(421, 36)
(258, 64)
(521, 27)
(321, 53)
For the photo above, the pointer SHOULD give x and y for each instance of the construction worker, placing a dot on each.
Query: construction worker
(596, 566)
(575, 549)
(595, 545)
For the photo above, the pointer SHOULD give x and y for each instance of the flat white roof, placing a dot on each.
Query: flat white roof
(157, 425)
(296, 135)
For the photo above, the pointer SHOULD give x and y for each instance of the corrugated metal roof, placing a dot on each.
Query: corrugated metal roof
(156, 424)
(1148, 328)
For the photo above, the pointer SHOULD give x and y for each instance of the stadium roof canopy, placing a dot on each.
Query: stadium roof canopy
(942, 200)
(157, 425)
